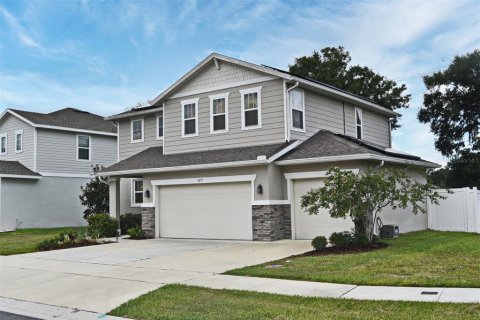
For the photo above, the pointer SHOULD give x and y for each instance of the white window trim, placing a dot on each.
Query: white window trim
(361, 121)
(183, 103)
(302, 110)
(19, 132)
(158, 125)
(131, 130)
(216, 97)
(258, 91)
(132, 191)
(89, 148)
(4, 135)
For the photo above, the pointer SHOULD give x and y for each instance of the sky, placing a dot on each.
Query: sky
(106, 56)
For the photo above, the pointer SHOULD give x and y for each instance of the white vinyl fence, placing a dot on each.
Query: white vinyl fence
(460, 211)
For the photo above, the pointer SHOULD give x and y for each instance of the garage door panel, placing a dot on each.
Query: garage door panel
(310, 226)
(207, 211)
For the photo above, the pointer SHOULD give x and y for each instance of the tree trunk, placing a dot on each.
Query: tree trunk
(369, 226)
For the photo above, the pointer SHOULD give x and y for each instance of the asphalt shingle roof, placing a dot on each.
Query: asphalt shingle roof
(15, 168)
(328, 144)
(69, 118)
(154, 158)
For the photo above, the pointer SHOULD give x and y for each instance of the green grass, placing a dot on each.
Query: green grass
(424, 258)
(26, 240)
(183, 302)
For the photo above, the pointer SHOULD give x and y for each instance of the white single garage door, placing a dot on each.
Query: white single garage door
(310, 226)
(206, 211)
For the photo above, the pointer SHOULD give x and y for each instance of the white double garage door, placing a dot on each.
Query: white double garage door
(224, 211)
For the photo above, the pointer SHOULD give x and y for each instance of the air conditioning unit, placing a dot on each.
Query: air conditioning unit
(389, 231)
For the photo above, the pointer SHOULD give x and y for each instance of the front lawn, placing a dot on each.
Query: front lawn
(183, 302)
(26, 240)
(423, 258)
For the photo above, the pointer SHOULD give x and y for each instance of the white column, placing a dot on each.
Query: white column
(114, 192)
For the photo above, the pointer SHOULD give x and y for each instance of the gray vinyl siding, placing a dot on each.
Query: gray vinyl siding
(211, 77)
(57, 152)
(9, 125)
(127, 148)
(272, 113)
(322, 112)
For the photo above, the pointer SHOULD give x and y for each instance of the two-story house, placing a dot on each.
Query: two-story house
(44, 159)
(227, 151)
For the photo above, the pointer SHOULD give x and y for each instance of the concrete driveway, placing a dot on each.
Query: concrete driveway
(100, 278)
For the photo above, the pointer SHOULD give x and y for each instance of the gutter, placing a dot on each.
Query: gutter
(132, 113)
(364, 156)
(262, 161)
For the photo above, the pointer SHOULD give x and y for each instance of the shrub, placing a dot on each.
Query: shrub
(360, 240)
(319, 242)
(129, 221)
(136, 233)
(102, 225)
(67, 239)
(341, 239)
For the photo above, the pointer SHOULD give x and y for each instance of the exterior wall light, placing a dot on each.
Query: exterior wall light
(147, 193)
(260, 189)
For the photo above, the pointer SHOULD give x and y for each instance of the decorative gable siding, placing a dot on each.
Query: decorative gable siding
(128, 149)
(272, 112)
(211, 77)
(57, 152)
(9, 125)
(322, 112)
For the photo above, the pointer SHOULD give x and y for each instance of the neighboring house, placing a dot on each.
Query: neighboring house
(228, 150)
(44, 159)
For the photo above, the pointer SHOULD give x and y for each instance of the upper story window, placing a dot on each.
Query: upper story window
(3, 144)
(18, 141)
(297, 107)
(251, 100)
(160, 126)
(358, 123)
(190, 118)
(83, 148)
(137, 191)
(137, 130)
(219, 113)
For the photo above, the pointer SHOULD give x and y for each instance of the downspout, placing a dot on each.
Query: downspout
(343, 106)
(288, 107)
(382, 163)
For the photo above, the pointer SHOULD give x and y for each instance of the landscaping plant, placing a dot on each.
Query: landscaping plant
(136, 233)
(101, 225)
(130, 220)
(319, 243)
(95, 194)
(362, 196)
(67, 239)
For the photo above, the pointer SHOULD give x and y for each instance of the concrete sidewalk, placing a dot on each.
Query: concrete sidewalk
(333, 290)
(47, 312)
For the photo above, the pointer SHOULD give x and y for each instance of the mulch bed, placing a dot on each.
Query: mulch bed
(333, 250)
(76, 245)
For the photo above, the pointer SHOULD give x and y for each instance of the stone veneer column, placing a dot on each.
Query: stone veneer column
(271, 222)
(148, 222)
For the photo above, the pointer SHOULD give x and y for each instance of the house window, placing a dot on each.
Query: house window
(219, 113)
(160, 126)
(190, 118)
(18, 141)
(3, 144)
(297, 106)
(137, 130)
(251, 108)
(359, 123)
(83, 148)
(137, 191)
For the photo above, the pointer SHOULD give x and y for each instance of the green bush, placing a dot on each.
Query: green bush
(67, 239)
(101, 225)
(319, 242)
(136, 233)
(129, 221)
(341, 239)
(360, 240)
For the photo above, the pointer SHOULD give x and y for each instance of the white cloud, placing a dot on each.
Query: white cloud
(19, 30)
